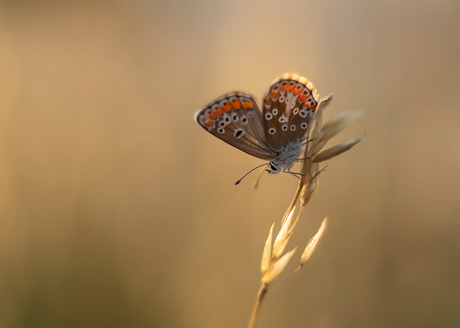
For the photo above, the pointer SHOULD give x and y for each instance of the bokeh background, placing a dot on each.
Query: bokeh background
(118, 210)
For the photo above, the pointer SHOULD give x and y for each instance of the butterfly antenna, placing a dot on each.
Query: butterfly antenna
(256, 185)
(248, 173)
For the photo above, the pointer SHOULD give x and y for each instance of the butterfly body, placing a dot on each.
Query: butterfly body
(277, 133)
(286, 157)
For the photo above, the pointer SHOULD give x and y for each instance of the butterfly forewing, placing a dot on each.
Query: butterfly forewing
(236, 119)
(288, 110)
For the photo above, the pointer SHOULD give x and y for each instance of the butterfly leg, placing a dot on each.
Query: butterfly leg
(300, 175)
(297, 175)
(293, 174)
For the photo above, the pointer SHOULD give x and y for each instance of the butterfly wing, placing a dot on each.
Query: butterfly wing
(236, 119)
(288, 110)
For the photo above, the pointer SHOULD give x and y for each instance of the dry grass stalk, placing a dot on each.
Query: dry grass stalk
(273, 263)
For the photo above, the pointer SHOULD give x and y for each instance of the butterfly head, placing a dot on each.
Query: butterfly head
(275, 168)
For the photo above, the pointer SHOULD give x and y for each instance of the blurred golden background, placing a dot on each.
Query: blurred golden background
(118, 210)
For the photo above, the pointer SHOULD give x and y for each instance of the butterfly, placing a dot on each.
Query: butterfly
(277, 133)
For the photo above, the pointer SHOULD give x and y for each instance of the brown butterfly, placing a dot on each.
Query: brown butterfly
(277, 133)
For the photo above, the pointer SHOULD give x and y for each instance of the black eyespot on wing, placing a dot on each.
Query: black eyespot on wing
(239, 133)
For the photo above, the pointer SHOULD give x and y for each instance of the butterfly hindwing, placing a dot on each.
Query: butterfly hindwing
(236, 119)
(288, 110)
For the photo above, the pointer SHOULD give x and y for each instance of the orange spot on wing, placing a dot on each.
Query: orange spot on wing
(275, 94)
(220, 111)
(283, 87)
(268, 100)
(213, 116)
(310, 105)
(297, 91)
(236, 104)
(208, 124)
(228, 107)
(302, 97)
(290, 88)
(248, 104)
